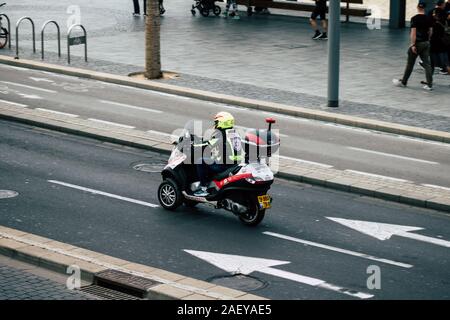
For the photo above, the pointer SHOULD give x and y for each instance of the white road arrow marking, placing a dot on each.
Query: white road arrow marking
(384, 231)
(41, 79)
(344, 251)
(245, 265)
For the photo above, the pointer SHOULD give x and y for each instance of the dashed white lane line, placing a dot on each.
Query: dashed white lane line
(373, 175)
(14, 103)
(58, 112)
(392, 155)
(28, 87)
(130, 106)
(110, 195)
(307, 162)
(344, 251)
(111, 123)
(435, 186)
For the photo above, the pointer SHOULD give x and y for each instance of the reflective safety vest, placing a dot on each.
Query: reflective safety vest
(226, 146)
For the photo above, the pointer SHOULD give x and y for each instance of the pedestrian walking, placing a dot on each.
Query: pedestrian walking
(320, 11)
(137, 9)
(439, 43)
(421, 30)
(231, 9)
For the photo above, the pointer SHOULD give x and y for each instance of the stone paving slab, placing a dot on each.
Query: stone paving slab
(19, 284)
(399, 191)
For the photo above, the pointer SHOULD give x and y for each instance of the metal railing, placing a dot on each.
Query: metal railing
(9, 28)
(17, 35)
(42, 37)
(76, 41)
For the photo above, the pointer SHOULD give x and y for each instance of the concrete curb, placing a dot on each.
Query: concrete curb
(58, 256)
(227, 99)
(387, 189)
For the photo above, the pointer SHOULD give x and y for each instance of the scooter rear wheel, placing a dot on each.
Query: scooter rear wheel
(254, 215)
(169, 195)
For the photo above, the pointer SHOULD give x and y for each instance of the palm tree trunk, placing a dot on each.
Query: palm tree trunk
(152, 41)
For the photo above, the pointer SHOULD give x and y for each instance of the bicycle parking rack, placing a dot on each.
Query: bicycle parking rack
(42, 36)
(17, 35)
(76, 41)
(9, 29)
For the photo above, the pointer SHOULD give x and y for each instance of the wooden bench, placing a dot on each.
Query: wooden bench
(299, 6)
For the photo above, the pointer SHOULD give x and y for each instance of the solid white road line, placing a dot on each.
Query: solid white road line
(110, 195)
(130, 106)
(435, 186)
(392, 155)
(28, 87)
(58, 112)
(111, 123)
(344, 251)
(377, 176)
(307, 162)
(14, 103)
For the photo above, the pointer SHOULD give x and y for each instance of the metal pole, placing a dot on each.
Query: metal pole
(397, 13)
(334, 52)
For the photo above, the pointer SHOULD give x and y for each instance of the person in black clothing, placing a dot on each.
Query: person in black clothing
(421, 30)
(439, 56)
(137, 9)
(319, 11)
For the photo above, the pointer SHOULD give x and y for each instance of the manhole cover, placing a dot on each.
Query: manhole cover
(149, 167)
(239, 282)
(8, 194)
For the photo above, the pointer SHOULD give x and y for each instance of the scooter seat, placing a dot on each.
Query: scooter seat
(226, 173)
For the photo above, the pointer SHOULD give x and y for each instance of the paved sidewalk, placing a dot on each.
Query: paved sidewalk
(20, 281)
(268, 57)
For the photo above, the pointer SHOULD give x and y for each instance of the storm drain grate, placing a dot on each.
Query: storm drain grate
(107, 294)
(124, 282)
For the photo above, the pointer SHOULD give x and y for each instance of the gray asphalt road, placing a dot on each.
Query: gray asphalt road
(345, 148)
(30, 157)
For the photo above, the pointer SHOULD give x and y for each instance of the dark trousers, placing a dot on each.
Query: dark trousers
(137, 9)
(204, 171)
(423, 50)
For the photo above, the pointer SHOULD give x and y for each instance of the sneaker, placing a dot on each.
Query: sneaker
(323, 36)
(398, 83)
(444, 72)
(427, 88)
(236, 17)
(201, 192)
(317, 35)
(420, 63)
(136, 14)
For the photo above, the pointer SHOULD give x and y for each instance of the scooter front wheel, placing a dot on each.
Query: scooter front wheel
(169, 195)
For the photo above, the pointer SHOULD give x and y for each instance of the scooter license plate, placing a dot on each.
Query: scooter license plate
(264, 201)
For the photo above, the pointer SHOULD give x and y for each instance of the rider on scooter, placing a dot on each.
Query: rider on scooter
(225, 151)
